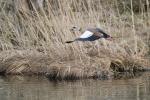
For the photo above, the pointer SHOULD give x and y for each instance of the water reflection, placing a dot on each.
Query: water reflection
(39, 88)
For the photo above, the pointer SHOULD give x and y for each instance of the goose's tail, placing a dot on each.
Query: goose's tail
(69, 41)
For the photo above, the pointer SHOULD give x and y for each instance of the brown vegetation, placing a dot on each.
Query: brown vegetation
(32, 38)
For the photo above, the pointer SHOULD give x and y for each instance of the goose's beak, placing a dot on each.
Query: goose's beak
(110, 38)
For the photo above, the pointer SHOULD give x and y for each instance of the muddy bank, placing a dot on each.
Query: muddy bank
(29, 62)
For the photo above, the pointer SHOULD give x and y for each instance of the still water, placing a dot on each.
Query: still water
(40, 88)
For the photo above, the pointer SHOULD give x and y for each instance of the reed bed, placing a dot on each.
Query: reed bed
(33, 35)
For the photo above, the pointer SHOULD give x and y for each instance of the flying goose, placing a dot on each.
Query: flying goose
(91, 34)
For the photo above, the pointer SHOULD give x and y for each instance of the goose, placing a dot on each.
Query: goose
(90, 34)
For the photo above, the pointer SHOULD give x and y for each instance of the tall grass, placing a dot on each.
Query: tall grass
(35, 36)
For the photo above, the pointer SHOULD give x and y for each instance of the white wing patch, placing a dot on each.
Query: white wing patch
(86, 34)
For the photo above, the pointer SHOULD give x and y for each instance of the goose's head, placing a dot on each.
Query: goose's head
(75, 29)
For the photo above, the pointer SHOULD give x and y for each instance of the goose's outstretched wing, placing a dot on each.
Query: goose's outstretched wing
(86, 34)
(84, 37)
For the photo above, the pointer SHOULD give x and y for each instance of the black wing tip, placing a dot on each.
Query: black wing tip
(69, 41)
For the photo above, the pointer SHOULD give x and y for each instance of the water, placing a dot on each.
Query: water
(40, 88)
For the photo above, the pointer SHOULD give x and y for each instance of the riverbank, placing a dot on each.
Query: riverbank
(32, 62)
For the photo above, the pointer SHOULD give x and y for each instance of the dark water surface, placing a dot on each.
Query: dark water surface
(40, 88)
